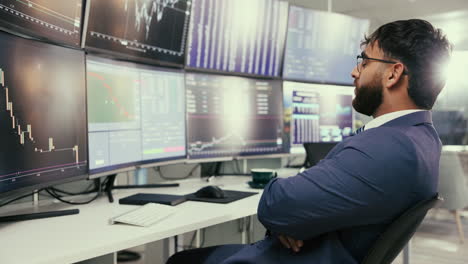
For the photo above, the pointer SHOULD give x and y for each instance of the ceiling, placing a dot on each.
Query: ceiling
(450, 15)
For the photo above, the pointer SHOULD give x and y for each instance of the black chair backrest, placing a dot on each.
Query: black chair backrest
(316, 151)
(396, 236)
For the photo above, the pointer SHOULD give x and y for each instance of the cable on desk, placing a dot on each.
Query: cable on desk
(20, 197)
(161, 174)
(88, 189)
(55, 194)
(106, 180)
(58, 197)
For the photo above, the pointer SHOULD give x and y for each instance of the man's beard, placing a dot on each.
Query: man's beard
(368, 98)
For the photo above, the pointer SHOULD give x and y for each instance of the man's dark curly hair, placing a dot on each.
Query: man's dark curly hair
(423, 49)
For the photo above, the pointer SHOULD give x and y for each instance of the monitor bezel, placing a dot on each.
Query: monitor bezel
(209, 159)
(130, 166)
(262, 156)
(351, 84)
(234, 74)
(107, 171)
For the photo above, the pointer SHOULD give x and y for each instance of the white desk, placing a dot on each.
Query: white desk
(87, 235)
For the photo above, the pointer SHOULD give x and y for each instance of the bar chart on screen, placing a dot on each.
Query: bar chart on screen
(26, 142)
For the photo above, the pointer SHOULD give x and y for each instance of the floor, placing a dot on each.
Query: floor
(437, 241)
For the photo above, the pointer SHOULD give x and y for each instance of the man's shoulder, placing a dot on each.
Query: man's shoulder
(389, 140)
(381, 136)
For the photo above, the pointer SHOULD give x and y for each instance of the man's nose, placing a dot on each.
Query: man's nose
(355, 73)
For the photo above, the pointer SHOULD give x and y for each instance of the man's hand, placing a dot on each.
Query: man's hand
(291, 243)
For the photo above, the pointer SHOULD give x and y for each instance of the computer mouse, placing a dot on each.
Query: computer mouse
(210, 191)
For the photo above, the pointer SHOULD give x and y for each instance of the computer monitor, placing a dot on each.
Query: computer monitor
(451, 125)
(43, 114)
(240, 37)
(316, 113)
(55, 20)
(136, 115)
(152, 31)
(229, 116)
(321, 47)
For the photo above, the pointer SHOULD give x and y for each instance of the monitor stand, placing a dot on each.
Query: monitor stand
(111, 180)
(26, 214)
(31, 216)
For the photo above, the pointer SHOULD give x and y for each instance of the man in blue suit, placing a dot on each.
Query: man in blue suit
(334, 211)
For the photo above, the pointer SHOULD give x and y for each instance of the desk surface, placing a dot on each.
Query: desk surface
(87, 235)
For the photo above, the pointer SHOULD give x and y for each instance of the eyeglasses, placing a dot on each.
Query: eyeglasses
(360, 59)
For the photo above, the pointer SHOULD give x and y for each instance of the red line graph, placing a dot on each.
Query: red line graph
(111, 94)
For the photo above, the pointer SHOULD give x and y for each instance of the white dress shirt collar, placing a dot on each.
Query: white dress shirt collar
(389, 117)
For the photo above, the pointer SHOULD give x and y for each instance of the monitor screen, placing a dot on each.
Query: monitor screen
(136, 115)
(145, 30)
(56, 20)
(231, 116)
(237, 36)
(316, 113)
(322, 47)
(42, 112)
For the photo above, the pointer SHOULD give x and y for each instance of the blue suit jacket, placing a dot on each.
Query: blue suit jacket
(341, 205)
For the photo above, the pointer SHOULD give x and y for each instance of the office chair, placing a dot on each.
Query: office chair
(316, 151)
(453, 187)
(396, 236)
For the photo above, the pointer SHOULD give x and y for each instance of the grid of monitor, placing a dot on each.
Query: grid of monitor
(139, 115)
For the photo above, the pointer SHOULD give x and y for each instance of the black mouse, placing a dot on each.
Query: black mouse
(210, 191)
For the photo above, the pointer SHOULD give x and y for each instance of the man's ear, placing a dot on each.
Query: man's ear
(394, 74)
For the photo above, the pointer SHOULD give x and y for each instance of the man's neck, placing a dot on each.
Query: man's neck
(382, 119)
(389, 108)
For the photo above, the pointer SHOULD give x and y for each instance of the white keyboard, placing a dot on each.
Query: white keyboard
(145, 215)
